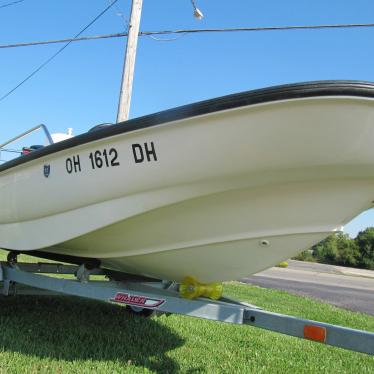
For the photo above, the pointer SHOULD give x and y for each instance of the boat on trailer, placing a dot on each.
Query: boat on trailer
(210, 191)
(215, 190)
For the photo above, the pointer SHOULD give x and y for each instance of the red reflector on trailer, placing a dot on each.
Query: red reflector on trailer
(316, 333)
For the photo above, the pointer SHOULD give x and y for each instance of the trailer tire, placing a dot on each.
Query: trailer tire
(141, 312)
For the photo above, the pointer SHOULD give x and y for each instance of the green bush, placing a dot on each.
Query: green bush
(365, 243)
(340, 249)
(305, 256)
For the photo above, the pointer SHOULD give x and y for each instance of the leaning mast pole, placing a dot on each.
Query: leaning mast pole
(129, 63)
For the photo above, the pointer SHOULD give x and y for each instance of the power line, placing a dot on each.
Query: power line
(83, 38)
(120, 14)
(12, 3)
(58, 52)
(167, 39)
(76, 38)
(192, 31)
(271, 28)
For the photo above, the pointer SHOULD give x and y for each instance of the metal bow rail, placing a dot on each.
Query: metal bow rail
(163, 297)
(23, 135)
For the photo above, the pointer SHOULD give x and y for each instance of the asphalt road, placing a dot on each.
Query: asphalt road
(322, 282)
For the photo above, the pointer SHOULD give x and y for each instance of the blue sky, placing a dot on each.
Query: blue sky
(80, 87)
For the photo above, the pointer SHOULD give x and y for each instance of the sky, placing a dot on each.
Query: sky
(80, 88)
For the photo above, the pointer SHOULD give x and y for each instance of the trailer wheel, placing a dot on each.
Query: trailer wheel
(138, 311)
(12, 257)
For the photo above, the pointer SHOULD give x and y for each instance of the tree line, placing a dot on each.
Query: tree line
(340, 249)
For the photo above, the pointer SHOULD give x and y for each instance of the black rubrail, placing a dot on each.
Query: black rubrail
(278, 93)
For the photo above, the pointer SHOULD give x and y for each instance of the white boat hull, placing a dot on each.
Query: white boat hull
(220, 196)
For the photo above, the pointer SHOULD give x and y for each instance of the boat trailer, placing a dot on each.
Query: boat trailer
(148, 296)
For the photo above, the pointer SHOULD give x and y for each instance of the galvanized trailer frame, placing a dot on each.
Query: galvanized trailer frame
(142, 294)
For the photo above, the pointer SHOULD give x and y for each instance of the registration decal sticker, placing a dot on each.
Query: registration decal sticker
(47, 170)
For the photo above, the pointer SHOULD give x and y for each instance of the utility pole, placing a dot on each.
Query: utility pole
(129, 63)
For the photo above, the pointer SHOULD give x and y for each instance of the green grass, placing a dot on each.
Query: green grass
(71, 335)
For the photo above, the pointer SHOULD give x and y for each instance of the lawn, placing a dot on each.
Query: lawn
(71, 335)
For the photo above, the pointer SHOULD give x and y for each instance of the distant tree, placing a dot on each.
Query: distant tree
(340, 249)
(305, 256)
(348, 252)
(327, 250)
(365, 244)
